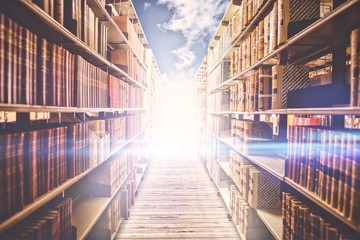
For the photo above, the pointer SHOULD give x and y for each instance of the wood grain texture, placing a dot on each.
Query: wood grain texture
(177, 200)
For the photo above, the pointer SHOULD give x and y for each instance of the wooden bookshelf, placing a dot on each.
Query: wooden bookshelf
(248, 28)
(39, 22)
(299, 111)
(55, 109)
(44, 199)
(139, 176)
(273, 164)
(116, 37)
(314, 41)
(88, 210)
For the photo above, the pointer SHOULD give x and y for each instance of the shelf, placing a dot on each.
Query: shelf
(318, 38)
(117, 229)
(39, 22)
(273, 164)
(316, 199)
(224, 193)
(268, 112)
(324, 111)
(132, 15)
(116, 37)
(224, 166)
(54, 109)
(248, 28)
(139, 176)
(300, 111)
(314, 41)
(44, 199)
(272, 218)
(87, 212)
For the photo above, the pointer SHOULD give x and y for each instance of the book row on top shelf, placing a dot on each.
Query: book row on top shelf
(42, 60)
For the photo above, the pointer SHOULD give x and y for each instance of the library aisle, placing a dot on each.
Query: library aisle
(176, 199)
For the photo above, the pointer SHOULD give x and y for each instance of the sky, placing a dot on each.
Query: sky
(179, 32)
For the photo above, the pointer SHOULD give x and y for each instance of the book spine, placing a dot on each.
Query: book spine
(355, 68)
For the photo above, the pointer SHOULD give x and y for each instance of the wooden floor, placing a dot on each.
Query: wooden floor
(177, 200)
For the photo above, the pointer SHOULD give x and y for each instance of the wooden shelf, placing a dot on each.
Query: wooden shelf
(88, 210)
(273, 164)
(54, 109)
(132, 15)
(265, 8)
(268, 112)
(39, 22)
(300, 111)
(316, 199)
(318, 38)
(272, 218)
(225, 166)
(314, 41)
(44, 199)
(116, 37)
(139, 176)
(116, 231)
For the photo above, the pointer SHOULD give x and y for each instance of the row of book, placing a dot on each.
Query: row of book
(242, 17)
(219, 75)
(258, 43)
(300, 221)
(250, 130)
(262, 91)
(221, 47)
(326, 162)
(37, 72)
(50, 222)
(117, 127)
(125, 59)
(80, 20)
(108, 178)
(18, 57)
(272, 29)
(125, 25)
(32, 163)
(260, 189)
(110, 220)
(220, 125)
(35, 162)
(245, 217)
(134, 123)
(91, 85)
(219, 101)
(99, 142)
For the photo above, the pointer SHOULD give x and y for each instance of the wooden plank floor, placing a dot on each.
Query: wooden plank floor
(177, 200)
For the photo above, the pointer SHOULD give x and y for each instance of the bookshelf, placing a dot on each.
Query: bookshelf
(80, 142)
(292, 62)
(312, 42)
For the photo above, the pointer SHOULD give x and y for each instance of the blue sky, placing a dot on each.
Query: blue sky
(179, 31)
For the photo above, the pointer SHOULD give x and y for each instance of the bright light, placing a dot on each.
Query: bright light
(177, 110)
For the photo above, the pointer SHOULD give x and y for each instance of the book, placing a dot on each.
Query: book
(355, 68)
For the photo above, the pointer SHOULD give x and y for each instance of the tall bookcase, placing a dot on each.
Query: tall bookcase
(78, 90)
(282, 113)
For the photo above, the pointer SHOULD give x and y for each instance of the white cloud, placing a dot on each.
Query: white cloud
(186, 57)
(164, 77)
(196, 20)
(147, 5)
